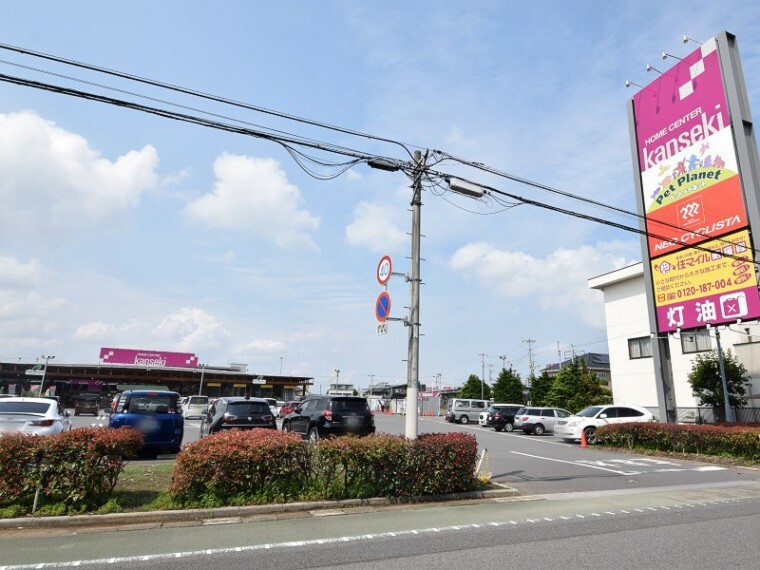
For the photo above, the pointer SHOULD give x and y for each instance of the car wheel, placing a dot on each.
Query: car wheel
(590, 435)
(538, 429)
(285, 426)
(498, 428)
(313, 435)
(463, 419)
(509, 427)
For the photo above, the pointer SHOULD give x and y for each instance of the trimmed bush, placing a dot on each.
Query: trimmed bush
(241, 467)
(245, 467)
(725, 440)
(77, 469)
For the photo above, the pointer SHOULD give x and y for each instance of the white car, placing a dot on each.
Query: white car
(586, 421)
(195, 406)
(37, 416)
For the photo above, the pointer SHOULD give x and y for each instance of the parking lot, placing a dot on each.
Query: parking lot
(545, 464)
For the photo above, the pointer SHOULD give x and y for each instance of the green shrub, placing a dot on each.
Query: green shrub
(74, 471)
(741, 442)
(253, 466)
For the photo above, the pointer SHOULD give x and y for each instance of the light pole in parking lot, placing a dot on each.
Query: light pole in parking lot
(47, 358)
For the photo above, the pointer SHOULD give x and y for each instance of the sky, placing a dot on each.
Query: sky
(126, 229)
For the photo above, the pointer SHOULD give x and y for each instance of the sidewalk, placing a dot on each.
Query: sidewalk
(198, 517)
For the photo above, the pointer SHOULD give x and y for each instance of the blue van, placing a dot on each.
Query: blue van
(157, 414)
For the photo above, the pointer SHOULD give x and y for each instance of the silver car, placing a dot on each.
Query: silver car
(36, 416)
(539, 420)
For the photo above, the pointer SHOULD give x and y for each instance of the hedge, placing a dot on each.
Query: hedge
(726, 440)
(263, 466)
(77, 469)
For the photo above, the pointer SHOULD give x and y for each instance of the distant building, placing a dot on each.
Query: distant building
(597, 363)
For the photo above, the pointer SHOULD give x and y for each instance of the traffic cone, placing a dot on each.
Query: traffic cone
(584, 443)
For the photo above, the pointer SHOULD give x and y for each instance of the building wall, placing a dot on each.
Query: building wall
(626, 318)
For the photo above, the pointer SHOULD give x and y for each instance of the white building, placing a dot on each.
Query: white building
(629, 339)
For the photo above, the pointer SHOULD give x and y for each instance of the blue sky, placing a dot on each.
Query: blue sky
(123, 229)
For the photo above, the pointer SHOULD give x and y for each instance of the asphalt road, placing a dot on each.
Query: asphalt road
(712, 526)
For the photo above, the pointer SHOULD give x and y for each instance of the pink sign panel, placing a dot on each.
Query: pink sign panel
(148, 357)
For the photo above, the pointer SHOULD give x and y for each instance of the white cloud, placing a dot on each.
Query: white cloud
(557, 282)
(53, 178)
(375, 228)
(253, 195)
(14, 273)
(190, 329)
(262, 345)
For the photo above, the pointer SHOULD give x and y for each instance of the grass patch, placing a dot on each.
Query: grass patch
(142, 488)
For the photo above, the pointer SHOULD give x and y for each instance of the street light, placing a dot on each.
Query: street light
(47, 358)
(503, 361)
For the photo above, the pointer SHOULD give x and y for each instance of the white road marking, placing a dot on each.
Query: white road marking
(579, 463)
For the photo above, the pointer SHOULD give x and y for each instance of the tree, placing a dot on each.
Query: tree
(508, 387)
(707, 385)
(540, 388)
(576, 387)
(474, 387)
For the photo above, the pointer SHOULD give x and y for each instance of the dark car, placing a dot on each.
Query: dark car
(323, 416)
(503, 418)
(86, 404)
(237, 413)
(157, 414)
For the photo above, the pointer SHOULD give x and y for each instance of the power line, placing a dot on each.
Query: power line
(203, 95)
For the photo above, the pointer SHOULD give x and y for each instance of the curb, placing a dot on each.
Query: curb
(201, 515)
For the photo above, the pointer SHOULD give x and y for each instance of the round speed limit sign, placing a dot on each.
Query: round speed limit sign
(384, 269)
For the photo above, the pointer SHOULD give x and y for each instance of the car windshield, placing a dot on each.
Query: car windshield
(24, 407)
(353, 405)
(87, 397)
(589, 412)
(150, 404)
(198, 400)
(248, 408)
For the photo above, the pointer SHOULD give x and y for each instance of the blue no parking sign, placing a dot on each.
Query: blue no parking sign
(383, 306)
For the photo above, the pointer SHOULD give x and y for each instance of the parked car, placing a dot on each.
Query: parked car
(465, 410)
(37, 416)
(86, 404)
(156, 414)
(195, 406)
(586, 421)
(287, 408)
(486, 418)
(237, 413)
(273, 404)
(503, 419)
(539, 420)
(323, 416)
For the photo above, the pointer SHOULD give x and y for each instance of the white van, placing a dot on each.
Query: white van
(464, 411)
(195, 407)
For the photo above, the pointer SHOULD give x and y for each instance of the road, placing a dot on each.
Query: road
(580, 508)
(650, 528)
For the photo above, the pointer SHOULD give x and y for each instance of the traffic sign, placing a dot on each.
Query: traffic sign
(384, 269)
(383, 306)
(382, 328)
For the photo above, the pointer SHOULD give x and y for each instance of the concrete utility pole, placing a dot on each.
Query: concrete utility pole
(413, 368)
(482, 375)
(722, 366)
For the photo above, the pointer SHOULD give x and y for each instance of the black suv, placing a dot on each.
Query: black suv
(323, 416)
(503, 418)
(237, 413)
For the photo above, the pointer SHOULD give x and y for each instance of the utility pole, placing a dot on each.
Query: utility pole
(371, 378)
(413, 369)
(722, 367)
(531, 362)
(503, 361)
(482, 375)
(47, 358)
